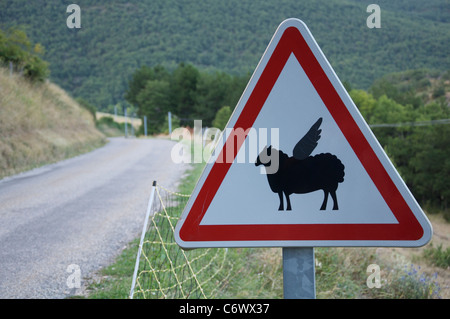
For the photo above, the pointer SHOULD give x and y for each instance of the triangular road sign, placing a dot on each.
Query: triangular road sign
(334, 187)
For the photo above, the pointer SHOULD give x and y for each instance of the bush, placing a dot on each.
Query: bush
(109, 127)
(222, 117)
(36, 69)
(438, 256)
(15, 47)
(415, 285)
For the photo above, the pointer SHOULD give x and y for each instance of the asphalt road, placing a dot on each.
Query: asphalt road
(74, 217)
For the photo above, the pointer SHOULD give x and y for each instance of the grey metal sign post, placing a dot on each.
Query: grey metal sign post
(299, 273)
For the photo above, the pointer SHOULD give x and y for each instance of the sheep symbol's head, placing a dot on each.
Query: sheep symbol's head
(264, 157)
(269, 159)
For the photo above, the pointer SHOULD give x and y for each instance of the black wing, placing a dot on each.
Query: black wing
(308, 143)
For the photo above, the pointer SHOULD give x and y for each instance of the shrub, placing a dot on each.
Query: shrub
(438, 256)
(15, 47)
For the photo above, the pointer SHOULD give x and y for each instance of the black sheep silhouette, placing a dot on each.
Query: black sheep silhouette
(303, 173)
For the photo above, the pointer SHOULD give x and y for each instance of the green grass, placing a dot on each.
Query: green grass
(116, 279)
(438, 256)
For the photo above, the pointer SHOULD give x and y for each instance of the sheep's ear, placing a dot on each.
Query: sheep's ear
(269, 150)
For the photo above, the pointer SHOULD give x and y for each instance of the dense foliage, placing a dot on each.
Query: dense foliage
(19, 54)
(418, 142)
(117, 37)
(186, 92)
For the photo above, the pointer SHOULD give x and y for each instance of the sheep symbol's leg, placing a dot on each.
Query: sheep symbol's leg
(288, 201)
(325, 199)
(335, 203)
(280, 195)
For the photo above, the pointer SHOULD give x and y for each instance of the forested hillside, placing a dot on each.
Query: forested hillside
(409, 114)
(117, 37)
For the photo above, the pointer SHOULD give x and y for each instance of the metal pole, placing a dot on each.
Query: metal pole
(145, 125)
(144, 230)
(132, 126)
(126, 120)
(299, 273)
(170, 123)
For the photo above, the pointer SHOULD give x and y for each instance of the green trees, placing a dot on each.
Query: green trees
(186, 92)
(15, 47)
(183, 90)
(415, 142)
(222, 117)
(216, 90)
(365, 102)
(153, 102)
(422, 155)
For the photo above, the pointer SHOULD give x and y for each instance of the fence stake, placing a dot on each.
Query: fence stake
(144, 229)
(126, 123)
(169, 115)
(299, 273)
(145, 125)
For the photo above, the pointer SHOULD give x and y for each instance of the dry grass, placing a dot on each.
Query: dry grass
(40, 124)
(136, 122)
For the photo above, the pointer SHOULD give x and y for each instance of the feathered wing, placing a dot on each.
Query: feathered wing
(308, 143)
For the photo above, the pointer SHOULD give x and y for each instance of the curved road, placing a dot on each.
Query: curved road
(80, 211)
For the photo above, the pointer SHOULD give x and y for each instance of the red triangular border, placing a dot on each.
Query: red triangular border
(408, 227)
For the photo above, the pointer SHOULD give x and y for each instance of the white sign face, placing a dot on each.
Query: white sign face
(316, 177)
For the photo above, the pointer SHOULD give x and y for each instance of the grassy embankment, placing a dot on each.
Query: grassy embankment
(114, 125)
(40, 124)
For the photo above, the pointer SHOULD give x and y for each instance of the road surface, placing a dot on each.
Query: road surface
(75, 216)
